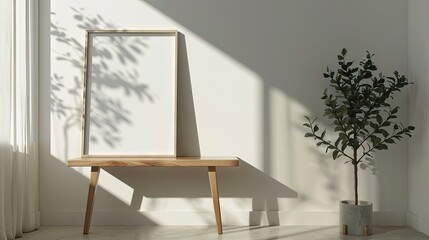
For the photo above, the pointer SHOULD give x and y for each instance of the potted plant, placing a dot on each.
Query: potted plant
(363, 119)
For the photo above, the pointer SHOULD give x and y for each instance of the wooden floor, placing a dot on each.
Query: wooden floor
(204, 232)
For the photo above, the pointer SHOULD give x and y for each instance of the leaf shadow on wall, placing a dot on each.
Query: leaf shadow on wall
(108, 114)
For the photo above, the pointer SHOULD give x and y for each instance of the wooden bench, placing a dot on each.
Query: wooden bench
(96, 162)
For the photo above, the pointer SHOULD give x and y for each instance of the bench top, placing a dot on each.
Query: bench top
(154, 162)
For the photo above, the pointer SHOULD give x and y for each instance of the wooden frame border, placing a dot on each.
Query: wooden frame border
(174, 33)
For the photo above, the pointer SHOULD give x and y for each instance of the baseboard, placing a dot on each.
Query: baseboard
(418, 222)
(207, 218)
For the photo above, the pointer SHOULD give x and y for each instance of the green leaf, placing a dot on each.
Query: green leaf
(368, 55)
(349, 64)
(342, 72)
(308, 135)
(342, 110)
(329, 147)
(379, 119)
(335, 154)
(344, 52)
(342, 136)
(338, 129)
(382, 147)
(337, 142)
(316, 128)
(375, 140)
(411, 127)
(372, 68)
(325, 94)
(307, 125)
(385, 124)
(323, 134)
(374, 112)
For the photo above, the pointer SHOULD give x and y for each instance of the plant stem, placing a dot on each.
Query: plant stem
(355, 164)
(373, 147)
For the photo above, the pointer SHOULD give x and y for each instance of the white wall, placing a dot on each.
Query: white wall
(249, 71)
(418, 177)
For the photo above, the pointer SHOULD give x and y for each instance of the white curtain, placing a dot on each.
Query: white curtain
(18, 118)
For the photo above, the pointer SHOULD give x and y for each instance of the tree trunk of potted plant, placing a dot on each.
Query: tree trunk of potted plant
(364, 119)
(355, 166)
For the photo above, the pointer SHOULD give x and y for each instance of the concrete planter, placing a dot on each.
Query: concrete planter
(356, 219)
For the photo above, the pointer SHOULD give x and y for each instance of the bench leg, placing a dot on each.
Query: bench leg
(95, 172)
(215, 196)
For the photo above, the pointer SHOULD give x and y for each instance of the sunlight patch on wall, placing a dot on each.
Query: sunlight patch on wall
(295, 160)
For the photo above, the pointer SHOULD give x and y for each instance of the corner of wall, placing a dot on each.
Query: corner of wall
(418, 222)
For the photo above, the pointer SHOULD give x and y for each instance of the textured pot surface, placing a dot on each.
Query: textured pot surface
(356, 217)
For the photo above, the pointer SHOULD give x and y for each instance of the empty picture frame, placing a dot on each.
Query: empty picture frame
(129, 103)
